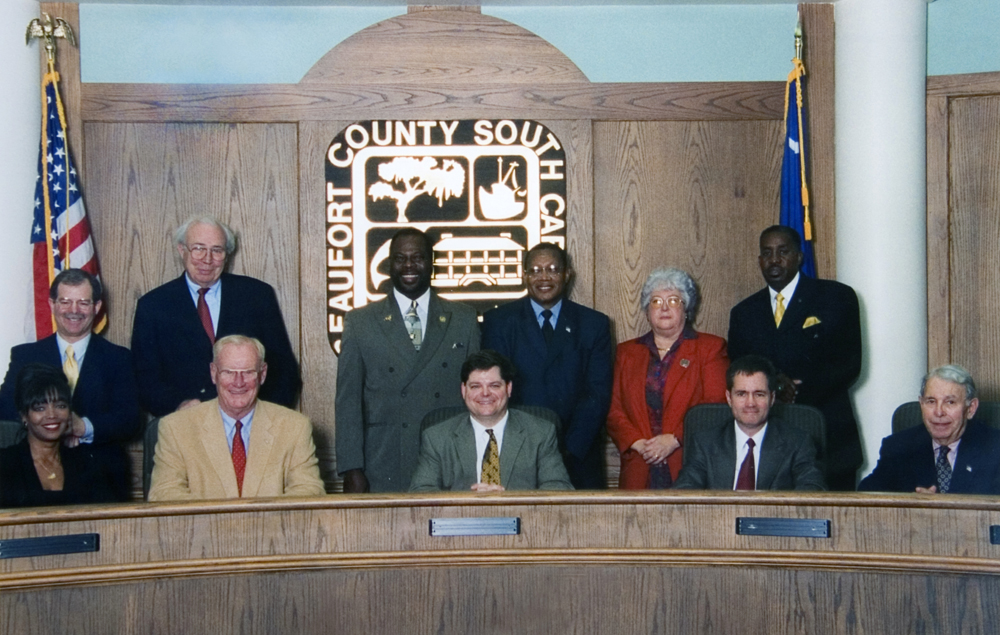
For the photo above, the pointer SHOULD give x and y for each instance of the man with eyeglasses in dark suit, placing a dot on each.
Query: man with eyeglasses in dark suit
(564, 358)
(176, 325)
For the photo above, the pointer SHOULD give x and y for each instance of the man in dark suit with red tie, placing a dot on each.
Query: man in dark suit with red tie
(105, 398)
(751, 450)
(177, 323)
(564, 358)
(811, 330)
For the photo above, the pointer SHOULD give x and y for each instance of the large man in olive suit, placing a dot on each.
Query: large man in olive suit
(401, 357)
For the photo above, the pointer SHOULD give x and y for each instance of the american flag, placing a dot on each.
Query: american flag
(60, 232)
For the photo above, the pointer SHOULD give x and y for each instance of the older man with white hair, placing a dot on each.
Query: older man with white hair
(177, 323)
(949, 453)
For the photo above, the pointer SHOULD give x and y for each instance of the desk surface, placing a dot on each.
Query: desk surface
(594, 560)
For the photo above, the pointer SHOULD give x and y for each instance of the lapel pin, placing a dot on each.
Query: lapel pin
(442, 318)
(968, 468)
(685, 363)
(388, 318)
(568, 330)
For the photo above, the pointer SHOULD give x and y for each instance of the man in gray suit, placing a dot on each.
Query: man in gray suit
(751, 451)
(399, 360)
(489, 448)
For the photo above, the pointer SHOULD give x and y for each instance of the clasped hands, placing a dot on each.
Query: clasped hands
(656, 450)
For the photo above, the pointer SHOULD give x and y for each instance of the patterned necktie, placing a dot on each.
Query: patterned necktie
(71, 369)
(943, 470)
(747, 480)
(239, 456)
(547, 330)
(779, 309)
(491, 462)
(205, 316)
(412, 321)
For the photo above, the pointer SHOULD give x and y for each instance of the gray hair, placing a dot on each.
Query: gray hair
(956, 375)
(673, 280)
(180, 236)
(237, 340)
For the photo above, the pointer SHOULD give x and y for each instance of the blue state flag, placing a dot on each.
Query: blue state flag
(794, 188)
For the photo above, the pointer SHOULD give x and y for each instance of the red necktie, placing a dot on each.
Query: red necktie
(747, 478)
(239, 456)
(205, 315)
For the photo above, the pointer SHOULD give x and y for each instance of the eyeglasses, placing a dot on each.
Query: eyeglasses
(200, 251)
(673, 302)
(245, 375)
(67, 305)
(552, 270)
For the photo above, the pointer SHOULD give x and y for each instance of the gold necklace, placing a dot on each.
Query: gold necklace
(46, 468)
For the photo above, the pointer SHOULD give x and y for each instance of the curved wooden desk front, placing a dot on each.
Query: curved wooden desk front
(582, 563)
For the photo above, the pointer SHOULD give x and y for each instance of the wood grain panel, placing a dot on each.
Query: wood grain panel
(456, 47)
(318, 361)
(938, 261)
(586, 563)
(974, 233)
(819, 56)
(149, 178)
(964, 85)
(695, 101)
(688, 195)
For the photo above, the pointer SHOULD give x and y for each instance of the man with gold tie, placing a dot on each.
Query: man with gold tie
(811, 330)
(105, 397)
(490, 448)
(235, 446)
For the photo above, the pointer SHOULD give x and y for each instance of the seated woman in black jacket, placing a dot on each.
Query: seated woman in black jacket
(41, 470)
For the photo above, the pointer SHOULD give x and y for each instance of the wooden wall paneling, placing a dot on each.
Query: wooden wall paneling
(264, 103)
(148, 178)
(318, 361)
(577, 140)
(68, 67)
(974, 233)
(445, 47)
(819, 54)
(688, 195)
(938, 252)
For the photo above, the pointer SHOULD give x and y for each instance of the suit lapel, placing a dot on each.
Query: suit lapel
(390, 323)
(795, 314)
(513, 439)
(565, 331)
(213, 440)
(259, 452)
(771, 452)
(90, 368)
(188, 320)
(530, 331)
(465, 447)
(729, 450)
(678, 369)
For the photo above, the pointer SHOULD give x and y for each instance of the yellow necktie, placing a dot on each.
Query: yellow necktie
(779, 309)
(71, 368)
(491, 462)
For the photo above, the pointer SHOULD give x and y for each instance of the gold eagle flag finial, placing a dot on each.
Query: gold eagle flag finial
(45, 28)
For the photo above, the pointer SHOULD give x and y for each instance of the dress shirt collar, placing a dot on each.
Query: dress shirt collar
(79, 347)
(538, 308)
(230, 425)
(786, 293)
(423, 306)
(741, 450)
(483, 440)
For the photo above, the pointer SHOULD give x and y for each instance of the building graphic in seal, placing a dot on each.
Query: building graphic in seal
(484, 190)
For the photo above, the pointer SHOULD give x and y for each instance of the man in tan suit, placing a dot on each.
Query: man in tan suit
(235, 445)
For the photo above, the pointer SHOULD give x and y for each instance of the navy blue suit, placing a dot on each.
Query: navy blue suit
(906, 462)
(572, 376)
(105, 392)
(819, 342)
(172, 352)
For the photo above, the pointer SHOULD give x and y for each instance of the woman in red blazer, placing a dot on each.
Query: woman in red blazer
(658, 377)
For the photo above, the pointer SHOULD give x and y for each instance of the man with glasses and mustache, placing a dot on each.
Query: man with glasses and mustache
(235, 446)
(176, 325)
(105, 399)
(564, 359)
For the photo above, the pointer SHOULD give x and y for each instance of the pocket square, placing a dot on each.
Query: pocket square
(810, 321)
(458, 345)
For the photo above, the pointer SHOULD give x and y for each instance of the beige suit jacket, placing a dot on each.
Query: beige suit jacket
(192, 459)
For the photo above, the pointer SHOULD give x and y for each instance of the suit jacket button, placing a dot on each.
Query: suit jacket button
(436, 395)
(444, 365)
(391, 369)
(405, 425)
(404, 393)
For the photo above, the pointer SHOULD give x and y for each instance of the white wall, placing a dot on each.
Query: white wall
(20, 116)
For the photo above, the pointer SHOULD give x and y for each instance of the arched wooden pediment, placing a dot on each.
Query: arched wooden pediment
(444, 46)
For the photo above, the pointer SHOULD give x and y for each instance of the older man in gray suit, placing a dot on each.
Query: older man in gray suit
(401, 358)
(489, 448)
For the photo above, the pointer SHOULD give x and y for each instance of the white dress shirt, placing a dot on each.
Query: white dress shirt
(483, 440)
(423, 304)
(742, 447)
